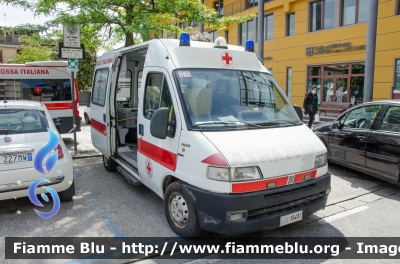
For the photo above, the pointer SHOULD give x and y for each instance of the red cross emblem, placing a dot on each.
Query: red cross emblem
(149, 168)
(37, 90)
(227, 58)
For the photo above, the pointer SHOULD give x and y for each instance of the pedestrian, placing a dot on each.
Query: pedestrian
(310, 106)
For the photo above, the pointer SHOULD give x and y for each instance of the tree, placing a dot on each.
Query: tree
(43, 46)
(116, 20)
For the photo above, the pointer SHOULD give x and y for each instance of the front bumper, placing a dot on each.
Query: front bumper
(264, 208)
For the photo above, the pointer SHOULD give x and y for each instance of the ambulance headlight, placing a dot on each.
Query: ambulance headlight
(320, 160)
(245, 174)
(217, 173)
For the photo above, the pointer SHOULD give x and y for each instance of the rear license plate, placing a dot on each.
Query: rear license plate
(291, 218)
(15, 158)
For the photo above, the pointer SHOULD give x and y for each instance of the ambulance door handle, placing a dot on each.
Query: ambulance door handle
(104, 118)
(141, 129)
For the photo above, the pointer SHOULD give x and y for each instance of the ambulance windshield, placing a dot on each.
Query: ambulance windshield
(233, 99)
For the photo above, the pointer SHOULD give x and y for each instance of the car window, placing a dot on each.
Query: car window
(22, 121)
(361, 117)
(391, 120)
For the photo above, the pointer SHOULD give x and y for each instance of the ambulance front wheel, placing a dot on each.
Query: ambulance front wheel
(109, 164)
(180, 211)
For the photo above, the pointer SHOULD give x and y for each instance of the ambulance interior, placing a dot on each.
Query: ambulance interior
(128, 85)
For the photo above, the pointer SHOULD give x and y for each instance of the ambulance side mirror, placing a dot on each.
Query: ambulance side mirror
(299, 111)
(159, 123)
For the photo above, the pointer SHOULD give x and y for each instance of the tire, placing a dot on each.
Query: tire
(87, 120)
(109, 164)
(67, 195)
(185, 222)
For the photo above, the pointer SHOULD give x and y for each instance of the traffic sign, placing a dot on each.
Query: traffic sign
(67, 53)
(73, 64)
(72, 36)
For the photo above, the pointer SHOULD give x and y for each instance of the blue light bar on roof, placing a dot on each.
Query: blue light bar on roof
(184, 39)
(249, 46)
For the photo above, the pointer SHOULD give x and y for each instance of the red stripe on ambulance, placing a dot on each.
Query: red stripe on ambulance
(157, 154)
(242, 187)
(58, 106)
(99, 127)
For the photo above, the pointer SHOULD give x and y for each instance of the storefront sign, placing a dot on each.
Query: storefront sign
(333, 48)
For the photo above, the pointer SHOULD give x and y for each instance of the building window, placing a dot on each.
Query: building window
(193, 23)
(322, 15)
(398, 7)
(354, 11)
(289, 82)
(246, 32)
(219, 8)
(396, 87)
(290, 24)
(338, 82)
(252, 3)
(268, 27)
(214, 35)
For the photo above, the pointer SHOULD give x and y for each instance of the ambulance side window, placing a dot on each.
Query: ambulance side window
(157, 94)
(100, 87)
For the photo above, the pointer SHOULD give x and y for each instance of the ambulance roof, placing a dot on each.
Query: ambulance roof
(168, 54)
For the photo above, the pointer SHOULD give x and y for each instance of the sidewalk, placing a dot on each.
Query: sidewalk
(84, 144)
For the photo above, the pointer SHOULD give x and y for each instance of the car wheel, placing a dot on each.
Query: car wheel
(68, 194)
(109, 164)
(87, 120)
(180, 211)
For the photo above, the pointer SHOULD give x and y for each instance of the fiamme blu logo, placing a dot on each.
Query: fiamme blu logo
(50, 163)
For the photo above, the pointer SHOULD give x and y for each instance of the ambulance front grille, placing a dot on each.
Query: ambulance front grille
(284, 206)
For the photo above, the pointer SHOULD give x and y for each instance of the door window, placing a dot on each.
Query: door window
(157, 94)
(100, 87)
(361, 117)
(391, 120)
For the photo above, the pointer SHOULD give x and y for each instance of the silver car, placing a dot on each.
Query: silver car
(31, 148)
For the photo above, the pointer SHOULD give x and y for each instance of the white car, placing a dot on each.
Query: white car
(86, 114)
(29, 141)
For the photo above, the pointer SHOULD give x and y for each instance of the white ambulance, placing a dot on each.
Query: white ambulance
(48, 82)
(209, 130)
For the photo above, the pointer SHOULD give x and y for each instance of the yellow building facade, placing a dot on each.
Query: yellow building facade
(323, 43)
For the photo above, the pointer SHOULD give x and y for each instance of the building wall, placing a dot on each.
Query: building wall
(290, 51)
(8, 53)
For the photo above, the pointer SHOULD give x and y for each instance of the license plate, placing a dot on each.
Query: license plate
(15, 158)
(291, 218)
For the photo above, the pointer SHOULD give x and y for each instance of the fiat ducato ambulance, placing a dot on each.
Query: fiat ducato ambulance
(208, 129)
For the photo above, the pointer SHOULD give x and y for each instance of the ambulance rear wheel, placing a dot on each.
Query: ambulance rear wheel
(109, 164)
(180, 211)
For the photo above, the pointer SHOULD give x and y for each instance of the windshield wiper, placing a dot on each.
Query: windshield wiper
(276, 121)
(227, 123)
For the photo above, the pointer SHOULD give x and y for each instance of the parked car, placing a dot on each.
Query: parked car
(366, 138)
(86, 114)
(28, 142)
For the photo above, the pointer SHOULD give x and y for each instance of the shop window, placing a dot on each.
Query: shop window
(289, 82)
(354, 11)
(246, 32)
(290, 24)
(269, 27)
(322, 15)
(396, 88)
(314, 71)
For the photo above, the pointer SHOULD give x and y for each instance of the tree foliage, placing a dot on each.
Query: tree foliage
(127, 20)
